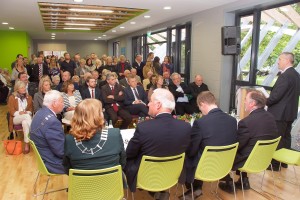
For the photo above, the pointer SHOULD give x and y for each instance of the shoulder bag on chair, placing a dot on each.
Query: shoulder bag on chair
(12, 147)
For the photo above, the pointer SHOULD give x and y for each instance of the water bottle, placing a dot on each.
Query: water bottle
(106, 124)
(110, 124)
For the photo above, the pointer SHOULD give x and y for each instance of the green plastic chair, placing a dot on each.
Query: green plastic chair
(42, 171)
(259, 159)
(101, 184)
(215, 163)
(159, 173)
(289, 157)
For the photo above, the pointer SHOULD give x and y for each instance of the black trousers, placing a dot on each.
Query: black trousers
(138, 109)
(124, 114)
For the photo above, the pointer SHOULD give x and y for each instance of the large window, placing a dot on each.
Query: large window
(174, 42)
(264, 35)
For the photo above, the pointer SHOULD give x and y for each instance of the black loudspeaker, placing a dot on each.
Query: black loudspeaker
(231, 40)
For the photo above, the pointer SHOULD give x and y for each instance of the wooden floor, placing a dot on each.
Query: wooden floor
(18, 174)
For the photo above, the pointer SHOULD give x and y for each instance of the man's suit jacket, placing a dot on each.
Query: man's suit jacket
(119, 99)
(139, 68)
(124, 83)
(47, 134)
(284, 97)
(35, 72)
(214, 129)
(129, 96)
(162, 136)
(173, 88)
(85, 93)
(258, 125)
(195, 89)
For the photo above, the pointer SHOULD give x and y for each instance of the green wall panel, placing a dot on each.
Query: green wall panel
(11, 44)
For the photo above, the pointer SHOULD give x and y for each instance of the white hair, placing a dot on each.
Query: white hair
(50, 97)
(165, 97)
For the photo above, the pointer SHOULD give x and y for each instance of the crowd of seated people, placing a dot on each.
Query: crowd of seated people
(95, 90)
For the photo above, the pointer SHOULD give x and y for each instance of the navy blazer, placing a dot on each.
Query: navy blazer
(214, 129)
(284, 97)
(129, 96)
(162, 136)
(85, 93)
(47, 133)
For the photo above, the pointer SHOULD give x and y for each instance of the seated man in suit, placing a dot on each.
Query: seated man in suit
(113, 98)
(162, 136)
(166, 76)
(38, 70)
(196, 88)
(135, 98)
(180, 91)
(137, 77)
(207, 131)
(124, 81)
(91, 91)
(47, 133)
(95, 75)
(258, 125)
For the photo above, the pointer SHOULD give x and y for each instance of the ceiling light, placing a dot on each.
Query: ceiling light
(104, 35)
(74, 28)
(122, 27)
(132, 23)
(99, 37)
(113, 31)
(147, 16)
(75, 24)
(4, 23)
(167, 8)
(52, 38)
(85, 18)
(90, 10)
(53, 33)
(95, 39)
(11, 28)
(78, 1)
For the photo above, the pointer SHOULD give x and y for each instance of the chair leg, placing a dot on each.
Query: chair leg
(262, 180)
(192, 191)
(46, 187)
(274, 181)
(34, 186)
(241, 175)
(232, 177)
(176, 191)
(132, 196)
(183, 192)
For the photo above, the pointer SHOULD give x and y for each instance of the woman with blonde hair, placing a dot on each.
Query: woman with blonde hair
(90, 145)
(44, 86)
(159, 84)
(20, 111)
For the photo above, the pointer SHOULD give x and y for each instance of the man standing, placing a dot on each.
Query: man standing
(47, 134)
(77, 60)
(68, 64)
(196, 88)
(38, 71)
(135, 98)
(283, 100)
(161, 136)
(215, 128)
(113, 99)
(138, 65)
(258, 125)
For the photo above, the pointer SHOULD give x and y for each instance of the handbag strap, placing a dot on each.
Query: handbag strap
(13, 150)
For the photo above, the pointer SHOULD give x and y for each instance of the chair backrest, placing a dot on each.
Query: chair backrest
(101, 184)
(159, 173)
(260, 156)
(216, 162)
(41, 165)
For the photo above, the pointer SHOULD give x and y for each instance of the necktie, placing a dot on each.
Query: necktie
(93, 96)
(40, 70)
(115, 106)
(136, 94)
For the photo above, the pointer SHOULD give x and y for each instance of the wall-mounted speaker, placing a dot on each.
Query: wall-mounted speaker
(231, 40)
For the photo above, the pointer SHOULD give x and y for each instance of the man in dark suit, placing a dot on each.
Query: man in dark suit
(166, 76)
(136, 98)
(161, 136)
(122, 66)
(91, 91)
(65, 77)
(113, 98)
(139, 65)
(47, 133)
(196, 88)
(38, 70)
(124, 81)
(180, 92)
(207, 131)
(258, 125)
(283, 100)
